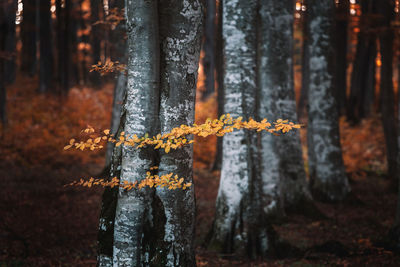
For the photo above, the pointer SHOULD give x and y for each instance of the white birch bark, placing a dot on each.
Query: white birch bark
(141, 112)
(327, 171)
(239, 225)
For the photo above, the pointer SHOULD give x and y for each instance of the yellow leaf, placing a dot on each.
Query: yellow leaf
(67, 147)
(97, 140)
(167, 149)
(106, 131)
(71, 142)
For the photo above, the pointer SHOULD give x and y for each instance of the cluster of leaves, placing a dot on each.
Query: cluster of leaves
(176, 138)
(152, 180)
(115, 16)
(108, 66)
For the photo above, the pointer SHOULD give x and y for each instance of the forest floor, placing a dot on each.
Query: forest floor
(43, 223)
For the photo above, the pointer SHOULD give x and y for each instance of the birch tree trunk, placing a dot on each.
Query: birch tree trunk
(281, 161)
(240, 225)
(156, 227)
(327, 173)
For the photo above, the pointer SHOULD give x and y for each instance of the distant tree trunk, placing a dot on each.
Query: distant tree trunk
(3, 33)
(155, 227)
(10, 41)
(240, 225)
(305, 68)
(342, 12)
(209, 48)
(327, 173)
(118, 53)
(220, 83)
(46, 46)
(28, 38)
(385, 10)
(95, 7)
(73, 46)
(280, 170)
(363, 75)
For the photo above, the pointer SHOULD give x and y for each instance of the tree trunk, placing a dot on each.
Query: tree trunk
(385, 9)
(28, 38)
(46, 46)
(95, 6)
(156, 227)
(240, 225)
(363, 75)
(305, 68)
(220, 83)
(342, 12)
(327, 173)
(209, 48)
(3, 93)
(10, 41)
(281, 169)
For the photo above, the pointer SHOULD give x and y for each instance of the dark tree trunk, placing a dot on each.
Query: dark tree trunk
(95, 9)
(28, 38)
(342, 12)
(363, 75)
(3, 55)
(219, 70)
(46, 46)
(209, 48)
(305, 68)
(327, 173)
(386, 36)
(10, 41)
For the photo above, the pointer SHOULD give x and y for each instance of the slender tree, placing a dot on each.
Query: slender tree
(155, 227)
(363, 75)
(10, 41)
(386, 36)
(326, 167)
(96, 9)
(29, 38)
(3, 32)
(342, 12)
(46, 46)
(305, 68)
(220, 83)
(209, 48)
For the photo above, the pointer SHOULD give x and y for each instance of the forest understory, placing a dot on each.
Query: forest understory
(44, 223)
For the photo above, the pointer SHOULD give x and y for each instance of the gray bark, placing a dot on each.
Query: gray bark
(133, 207)
(155, 227)
(240, 225)
(180, 50)
(326, 167)
(281, 162)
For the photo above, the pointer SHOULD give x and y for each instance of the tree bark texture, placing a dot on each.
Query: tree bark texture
(240, 225)
(327, 173)
(282, 165)
(155, 227)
